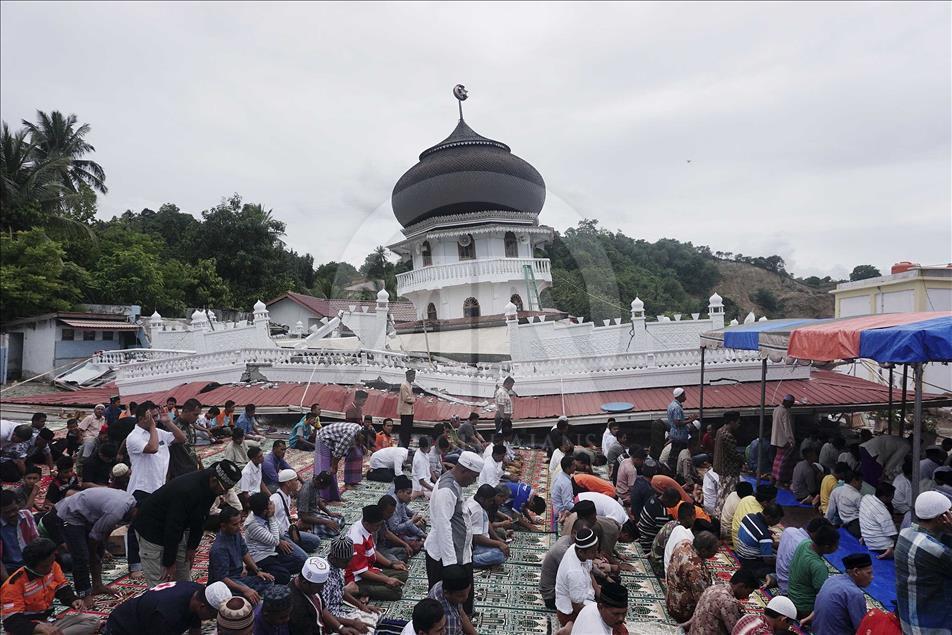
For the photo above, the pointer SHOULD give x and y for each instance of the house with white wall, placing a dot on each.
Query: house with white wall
(40, 344)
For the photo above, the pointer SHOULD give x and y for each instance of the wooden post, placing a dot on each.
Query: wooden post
(761, 447)
(916, 432)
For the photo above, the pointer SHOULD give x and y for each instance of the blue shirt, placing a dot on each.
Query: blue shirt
(840, 606)
(246, 423)
(678, 433)
(753, 538)
(298, 431)
(225, 558)
(12, 555)
(790, 539)
(519, 495)
(270, 468)
(263, 628)
(562, 494)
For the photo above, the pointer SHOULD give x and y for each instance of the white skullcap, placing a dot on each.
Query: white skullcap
(784, 606)
(119, 470)
(931, 505)
(471, 461)
(287, 474)
(677, 392)
(316, 570)
(98, 406)
(216, 593)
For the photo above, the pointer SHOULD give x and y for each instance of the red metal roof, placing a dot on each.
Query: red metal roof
(400, 310)
(824, 389)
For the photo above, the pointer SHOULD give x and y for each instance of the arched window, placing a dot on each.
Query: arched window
(512, 247)
(515, 299)
(431, 312)
(467, 247)
(470, 307)
(426, 253)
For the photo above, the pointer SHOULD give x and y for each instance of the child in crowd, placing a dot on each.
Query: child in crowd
(27, 491)
(384, 438)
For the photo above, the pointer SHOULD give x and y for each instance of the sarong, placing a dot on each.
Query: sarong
(727, 484)
(783, 465)
(354, 466)
(322, 463)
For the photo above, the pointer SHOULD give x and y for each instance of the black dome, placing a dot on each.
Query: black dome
(467, 172)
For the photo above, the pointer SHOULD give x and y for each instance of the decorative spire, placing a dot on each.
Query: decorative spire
(460, 92)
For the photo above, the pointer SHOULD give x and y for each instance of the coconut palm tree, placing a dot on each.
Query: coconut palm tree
(24, 181)
(55, 136)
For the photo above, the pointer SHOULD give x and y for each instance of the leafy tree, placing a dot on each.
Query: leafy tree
(34, 278)
(27, 186)
(864, 272)
(766, 299)
(131, 275)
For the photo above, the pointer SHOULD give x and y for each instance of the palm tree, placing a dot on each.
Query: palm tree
(23, 179)
(54, 136)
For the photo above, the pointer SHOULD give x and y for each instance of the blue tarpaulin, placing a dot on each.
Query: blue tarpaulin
(926, 341)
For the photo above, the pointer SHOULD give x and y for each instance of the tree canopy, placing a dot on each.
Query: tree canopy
(57, 254)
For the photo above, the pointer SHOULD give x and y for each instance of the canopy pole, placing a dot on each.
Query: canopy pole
(890, 410)
(761, 446)
(916, 431)
(700, 414)
(902, 409)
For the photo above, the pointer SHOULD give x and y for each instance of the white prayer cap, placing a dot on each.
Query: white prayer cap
(783, 605)
(471, 461)
(216, 593)
(677, 392)
(119, 470)
(931, 505)
(316, 570)
(286, 475)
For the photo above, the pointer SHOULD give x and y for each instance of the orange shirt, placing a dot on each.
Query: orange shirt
(660, 482)
(698, 512)
(33, 598)
(383, 441)
(594, 484)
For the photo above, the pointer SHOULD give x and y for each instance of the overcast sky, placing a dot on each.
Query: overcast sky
(817, 131)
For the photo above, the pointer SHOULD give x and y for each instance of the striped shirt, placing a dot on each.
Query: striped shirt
(924, 589)
(754, 539)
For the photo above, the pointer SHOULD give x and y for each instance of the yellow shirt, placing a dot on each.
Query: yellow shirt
(747, 505)
(827, 485)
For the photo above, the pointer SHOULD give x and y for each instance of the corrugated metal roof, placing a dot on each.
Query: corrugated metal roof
(102, 325)
(401, 311)
(824, 389)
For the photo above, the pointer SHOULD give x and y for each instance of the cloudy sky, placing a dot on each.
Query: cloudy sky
(820, 132)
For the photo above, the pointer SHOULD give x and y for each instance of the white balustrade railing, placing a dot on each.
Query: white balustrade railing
(472, 271)
(133, 355)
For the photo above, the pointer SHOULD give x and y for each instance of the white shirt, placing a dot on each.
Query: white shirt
(408, 629)
(573, 582)
(250, 478)
(902, 499)
(504, 402)
(148, 471)
(421, 470)
(280, 499)
(678, 535)
(6, 431)
(394, 458)
(555, 464)
(606, 506)
(439, 540)
(876, 524)
(491, 473)
(608, 441)
(477, 517)
(588, 622)
(844, 505)
(710, 486)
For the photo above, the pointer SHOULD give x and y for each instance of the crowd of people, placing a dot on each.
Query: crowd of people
(684, 500)
(689, 496)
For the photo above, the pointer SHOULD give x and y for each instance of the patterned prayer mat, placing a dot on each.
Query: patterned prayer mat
(507, 597)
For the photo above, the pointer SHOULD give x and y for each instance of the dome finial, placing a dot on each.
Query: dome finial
(460, 92)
